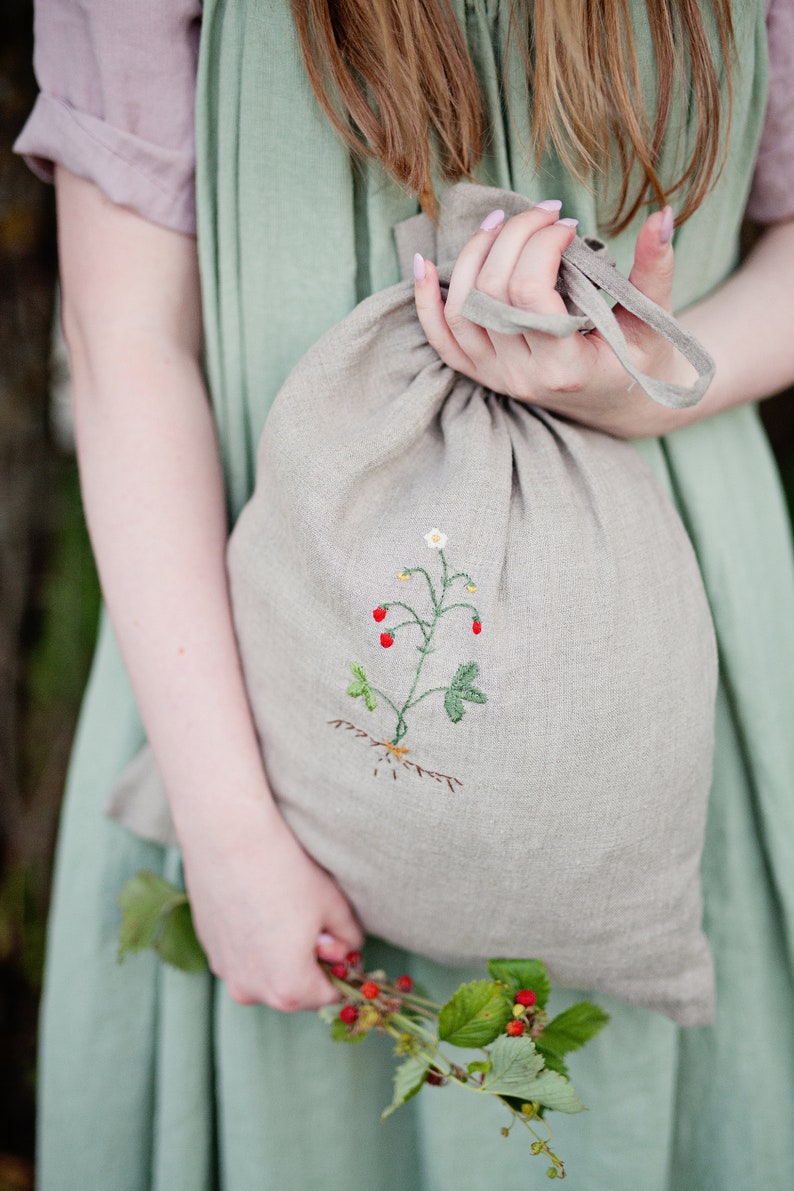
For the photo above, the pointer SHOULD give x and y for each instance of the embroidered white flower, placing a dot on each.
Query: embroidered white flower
(436, 540)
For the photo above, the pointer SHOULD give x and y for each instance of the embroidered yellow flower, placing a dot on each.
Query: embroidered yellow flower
(403, 575)
(470, 587)
(436, 540)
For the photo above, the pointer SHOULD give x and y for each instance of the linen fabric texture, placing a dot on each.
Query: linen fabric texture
(479, 654)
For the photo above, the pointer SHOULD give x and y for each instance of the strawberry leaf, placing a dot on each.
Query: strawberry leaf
(522, 973)
(515, 1065)
(572, 1028)
(475, 1015)
(553, 1091)
(408, 1080)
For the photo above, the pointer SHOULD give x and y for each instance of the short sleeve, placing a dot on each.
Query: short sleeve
(117, 86)
(772, 194)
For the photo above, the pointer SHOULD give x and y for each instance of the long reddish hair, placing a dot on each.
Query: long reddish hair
(396, 80)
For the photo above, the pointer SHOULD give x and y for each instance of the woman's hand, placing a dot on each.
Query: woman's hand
(517, 261)
(263, 910)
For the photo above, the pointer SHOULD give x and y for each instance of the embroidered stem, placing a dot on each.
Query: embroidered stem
(422, 571)
(451, 606)
(433, 691)
(423, 624)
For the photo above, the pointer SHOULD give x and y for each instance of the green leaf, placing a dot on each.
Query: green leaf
(522, 973)
(551, 1060)
(340, 1032)
(144, 900)
(453, 705)
(156, 914)
(408, 1080)
(475, 1015)
(472, 695)
(465, 675)
(553, 1091)
(178, 943)
(572, 1028)
(515, 1065)
(361, 687)
(479, 1065)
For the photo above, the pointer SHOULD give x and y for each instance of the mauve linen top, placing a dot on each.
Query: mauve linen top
(117, 95)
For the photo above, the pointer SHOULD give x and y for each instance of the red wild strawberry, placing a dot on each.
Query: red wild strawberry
(379, 614)
(354, 958)
(386, 640)
(434, 1077)
(339, 970)
(405, 983)
(476, 627)
(515, 1028)
(526, 997)
(370, 990)
(348, 1014)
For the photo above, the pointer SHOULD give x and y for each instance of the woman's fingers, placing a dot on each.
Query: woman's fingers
(654, 259)
(432, 316)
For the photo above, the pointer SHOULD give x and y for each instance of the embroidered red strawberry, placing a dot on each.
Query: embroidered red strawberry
(515, 1028)
(348, 1014)
(476, 626)
(379, 614)
(405, 983)
(526, 997)
(386, 640)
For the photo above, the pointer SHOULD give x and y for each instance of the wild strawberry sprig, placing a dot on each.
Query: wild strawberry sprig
(522, 1050)
(504, 1017)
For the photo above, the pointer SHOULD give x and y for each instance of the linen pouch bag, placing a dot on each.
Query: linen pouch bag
(478, 650)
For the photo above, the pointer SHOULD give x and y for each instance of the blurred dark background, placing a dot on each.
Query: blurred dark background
(48, 591)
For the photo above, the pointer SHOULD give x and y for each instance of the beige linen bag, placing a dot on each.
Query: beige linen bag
(478, 650)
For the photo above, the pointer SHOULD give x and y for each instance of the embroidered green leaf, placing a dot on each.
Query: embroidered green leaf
(572, 1028)
(553, 1091)
(155, 913)
(408, 1079)
(515, 1065)
(465, 675)
(522, 973)
(453, 706)
(475, 1015)
(461, 688)
(361, 687)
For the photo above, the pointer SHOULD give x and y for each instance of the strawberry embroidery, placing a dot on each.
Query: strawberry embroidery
(461, 689)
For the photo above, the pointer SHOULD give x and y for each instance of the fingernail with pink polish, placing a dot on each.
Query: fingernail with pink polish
(492, 221)
(419, 267)
(324, 939)
(567, 222)
(550, 205)
(666, 227)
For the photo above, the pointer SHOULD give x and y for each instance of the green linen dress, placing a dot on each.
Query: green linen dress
(153, 1080)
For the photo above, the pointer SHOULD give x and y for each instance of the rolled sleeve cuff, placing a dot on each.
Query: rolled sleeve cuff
(155, 182)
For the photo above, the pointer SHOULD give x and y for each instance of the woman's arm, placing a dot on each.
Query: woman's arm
(154, 502)
(745, 325)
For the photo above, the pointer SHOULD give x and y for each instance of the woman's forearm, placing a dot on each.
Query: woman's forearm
(748, 325)
(153, 492)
